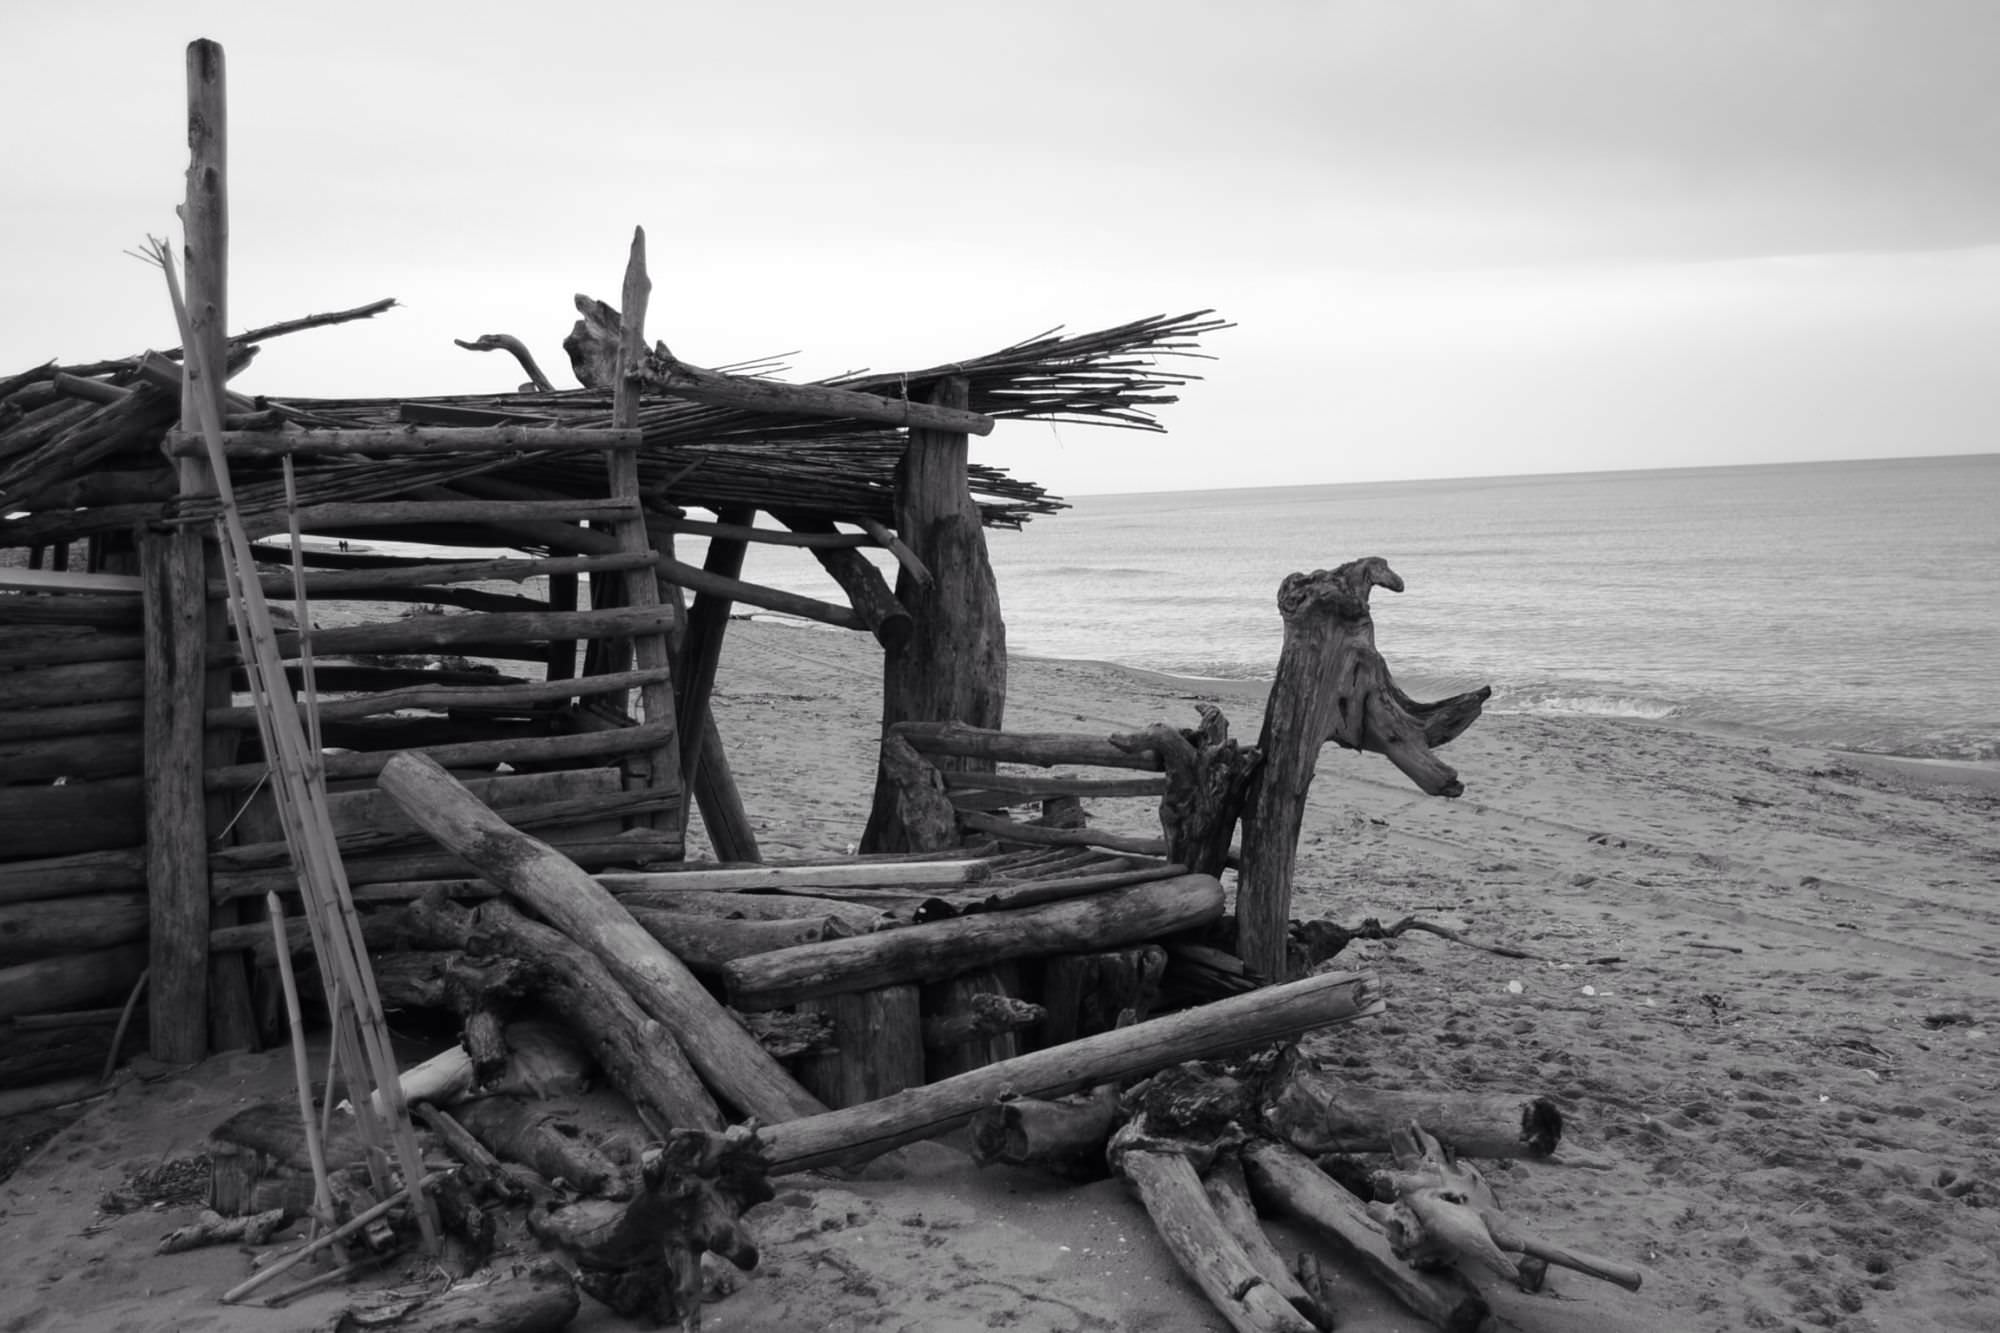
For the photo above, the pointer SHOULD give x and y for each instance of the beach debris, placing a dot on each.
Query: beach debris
(643, 1256)
(212, 1228)
(1442, 1211)
(537, 1298)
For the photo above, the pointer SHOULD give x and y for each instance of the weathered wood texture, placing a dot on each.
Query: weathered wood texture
(1319, 1112)
(635, 1050)
(73, 979)
(1331, 684)
(1208, 782)
(729, 1058)
(953, 668)
(56, 926)
(859, 1132)
(878, 1046)
(1285, 1181)
(1206, 1250)
(945, 948)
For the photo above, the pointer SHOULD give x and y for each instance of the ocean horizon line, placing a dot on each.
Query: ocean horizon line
(1620, 472)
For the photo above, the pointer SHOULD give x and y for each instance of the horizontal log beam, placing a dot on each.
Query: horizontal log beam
(1035, 787)
(1014, 831)
(40, 687)
(27, 724)
(863, 874)
(73, 876)
(696, 579)
(429, 633)
(393, 513)
(946, 948)
(1045, 749)
(348, 582)
(1275, 1013)
(738, 532)
(386, 440)
(542, 749)
(449, 696)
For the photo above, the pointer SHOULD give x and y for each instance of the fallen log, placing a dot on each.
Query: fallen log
(1065, 1137)
(944, 948)
(1171, 1190)
(1285, 1181)
(1229, 1194)
(1275, 1014)
(637, 1053)
(729, 1059)
(1319, 1112)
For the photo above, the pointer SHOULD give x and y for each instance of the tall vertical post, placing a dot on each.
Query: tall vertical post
(177, 686)
(953, 667)
(176, 612)
(662, 765)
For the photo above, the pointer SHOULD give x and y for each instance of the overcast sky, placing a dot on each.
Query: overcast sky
(1458, 238)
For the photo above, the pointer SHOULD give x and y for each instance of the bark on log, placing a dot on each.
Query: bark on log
(729, 1059)
(1208, 782)
(1331, 684)
(638, 1054)
(852, 918)
(945, 948)
(1284, 1181)
(1319, 1112)
(860, 1132)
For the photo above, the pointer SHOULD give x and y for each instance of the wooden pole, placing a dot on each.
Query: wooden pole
(176, 822)
(954, 666)
(701, 649)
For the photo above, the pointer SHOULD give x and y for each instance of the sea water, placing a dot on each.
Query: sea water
(1852, 604)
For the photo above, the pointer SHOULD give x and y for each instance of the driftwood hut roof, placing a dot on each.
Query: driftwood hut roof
(79, 445)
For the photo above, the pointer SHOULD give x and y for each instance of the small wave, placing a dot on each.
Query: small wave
(1587, 705)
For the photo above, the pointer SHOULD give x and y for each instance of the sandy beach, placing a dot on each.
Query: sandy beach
(1765, 992)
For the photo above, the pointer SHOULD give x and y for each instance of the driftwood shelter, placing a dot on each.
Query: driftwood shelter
(505, 738)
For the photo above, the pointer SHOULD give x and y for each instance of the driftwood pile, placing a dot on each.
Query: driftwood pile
(760, 1020)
